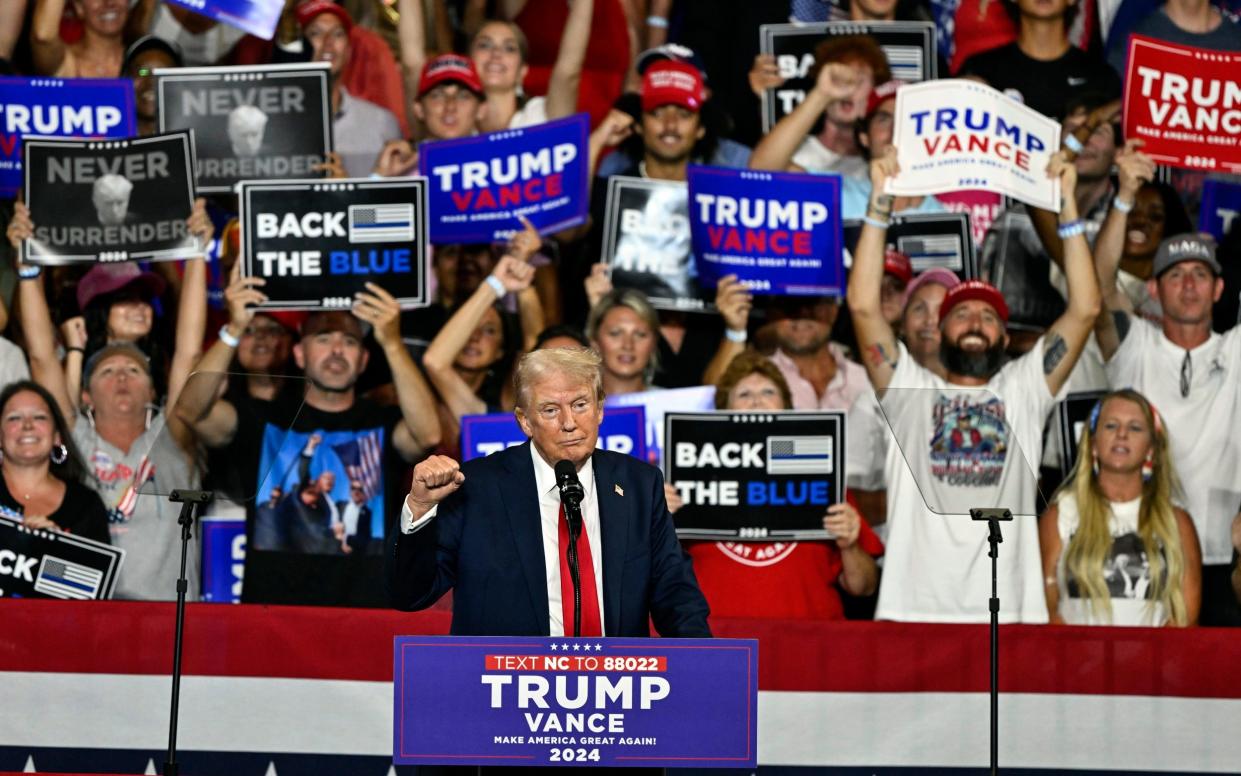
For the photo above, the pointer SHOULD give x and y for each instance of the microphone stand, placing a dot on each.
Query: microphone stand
(573, 515)
(187, 499)
(993, 518)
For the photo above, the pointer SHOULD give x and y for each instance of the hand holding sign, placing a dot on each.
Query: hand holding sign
(435, 479)
(843, 523)
(1059, 166)
(199, 224)
(882, 168)
(381, 310)
(525, 243)
(515, 275)
(598, 283)
(241, 296)
(397, 158)
(765, 74)
(1133, 168)
(21, 228)
(734, 302)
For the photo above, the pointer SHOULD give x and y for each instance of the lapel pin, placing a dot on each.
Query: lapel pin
(619, 490)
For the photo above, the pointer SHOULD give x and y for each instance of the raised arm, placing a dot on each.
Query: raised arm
(611, 132)
(12, 16)
(1133, 168)
(412, 32)
(191, 306)
(1063, 342)
(524, 245)
(46, 47)
(566, 75)
(876, 339)
(775, 151)
(734, 302)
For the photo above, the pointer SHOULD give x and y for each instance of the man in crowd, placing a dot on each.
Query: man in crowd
(819, 374)
(450, 104)
(97, 54)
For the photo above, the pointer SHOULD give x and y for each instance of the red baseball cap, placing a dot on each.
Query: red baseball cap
(974, 289)
(291, 320)
(672, 83)
(449, 67)
(884, 91)
(898, 266)
(309, 10)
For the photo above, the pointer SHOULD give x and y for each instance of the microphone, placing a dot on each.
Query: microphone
(571, 492)
(571, 495)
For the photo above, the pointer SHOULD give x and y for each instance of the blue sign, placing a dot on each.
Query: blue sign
(779, 232)
(224, 557)
(1221, 202)
(623, 431)
(658, 403)
(665, 703)
(59, 107)
(257, 17)
(481, 184)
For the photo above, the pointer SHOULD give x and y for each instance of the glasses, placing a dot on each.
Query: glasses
(1187, 375)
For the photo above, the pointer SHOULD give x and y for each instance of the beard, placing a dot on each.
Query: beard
(972, 363)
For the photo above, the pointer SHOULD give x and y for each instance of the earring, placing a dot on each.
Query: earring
(1148, 467)
(1095, 463)
(60, 454)
(90, 415)
(150, 416)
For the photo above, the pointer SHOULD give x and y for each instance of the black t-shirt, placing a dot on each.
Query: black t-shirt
(1044, 86)
(328, 488)
(80, 513)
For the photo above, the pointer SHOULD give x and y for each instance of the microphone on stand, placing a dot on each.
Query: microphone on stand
(571, 495)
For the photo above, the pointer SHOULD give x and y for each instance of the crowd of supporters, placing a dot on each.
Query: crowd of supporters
(123, 381)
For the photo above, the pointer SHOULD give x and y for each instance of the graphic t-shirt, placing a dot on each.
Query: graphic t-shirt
(966, 447)
(327, 486)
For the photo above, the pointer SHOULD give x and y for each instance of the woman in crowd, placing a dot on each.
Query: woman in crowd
(499, 50)
(790, 580)
(624, 328)
(1115, 548)
(42, 482)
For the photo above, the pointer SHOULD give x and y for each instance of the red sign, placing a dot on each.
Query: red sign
(1185, 103)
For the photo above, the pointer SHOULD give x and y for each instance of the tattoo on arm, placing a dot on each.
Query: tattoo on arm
(1121, 319)
(877, 355)
(1053, 353)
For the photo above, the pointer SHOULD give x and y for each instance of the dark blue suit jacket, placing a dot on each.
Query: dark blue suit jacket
(485, 543)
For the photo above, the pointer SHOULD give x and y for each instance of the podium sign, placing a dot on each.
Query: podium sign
(666, 703)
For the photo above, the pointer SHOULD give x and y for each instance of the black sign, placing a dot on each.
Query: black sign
(910, 47)
(1072, 414)
(251, 123)
(110, 200)
(319, 242)
(646, 242)
(929, 240)
(754, 476)
(49, 564)
(1015, 261)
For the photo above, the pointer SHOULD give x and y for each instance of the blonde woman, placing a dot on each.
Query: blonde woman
(1116, 551)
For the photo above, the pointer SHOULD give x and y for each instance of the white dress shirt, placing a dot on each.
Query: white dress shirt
(549, 512)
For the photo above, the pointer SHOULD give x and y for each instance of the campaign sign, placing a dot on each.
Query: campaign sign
(493, 700)
(110, 200)
(747, 476)
(778, 232)
(929, 240)
(1185, 104)
(481, 184)
(910, 47)
(657, 404)
(260, 122)
(59, 107)
(224, 556)
(646, 242)
(960, 134)
(50, 564)
(1073, 413)
(317, 243)
(257, 17)
(1221, 202)
(623, 430)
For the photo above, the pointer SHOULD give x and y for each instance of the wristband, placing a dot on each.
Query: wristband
(496, 286)
(736, 335)
(875, 222)
(1121, 205)
(1071, 229)
(661, 22)
(1072, 143)
(227, 338)
(75, 349)
(30, 273)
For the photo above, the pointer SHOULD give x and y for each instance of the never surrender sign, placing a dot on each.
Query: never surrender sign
(51, 564)
(909, 46)
(662, 703)
(481, 184)
(59, 107)
(1185, 104)
(778, 232)
(754, 476)
(960, 134)
(317, 243)
(264, 122)
(257, 17)
(110, 200)
(623, 430)
(646, 242)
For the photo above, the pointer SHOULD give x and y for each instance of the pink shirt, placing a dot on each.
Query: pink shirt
(849, 383)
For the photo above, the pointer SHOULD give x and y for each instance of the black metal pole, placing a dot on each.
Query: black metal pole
(188, 499)
(994, 537)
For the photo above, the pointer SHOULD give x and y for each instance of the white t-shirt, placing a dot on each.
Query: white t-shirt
(1126, 570)
(813, 156)
(970, 447)
(533, 112)
(13, 365)
(1202, 427)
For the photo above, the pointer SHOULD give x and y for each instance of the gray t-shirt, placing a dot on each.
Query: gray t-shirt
(1226, 37)
(359, 132)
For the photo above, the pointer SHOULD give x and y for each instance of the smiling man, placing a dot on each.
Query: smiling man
(493, 531)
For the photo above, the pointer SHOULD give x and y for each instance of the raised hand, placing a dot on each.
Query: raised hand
(734, 302)
(381, 310)
(397, 158)
(435, 479)
(844, 523)
(838, 81)
(1133, 168)
(765, 74)
(241, 296)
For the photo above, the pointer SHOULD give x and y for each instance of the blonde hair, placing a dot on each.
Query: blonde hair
(580, 364)
(1091, 544)
(634, 300)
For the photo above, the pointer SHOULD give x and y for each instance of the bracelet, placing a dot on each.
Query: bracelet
(1072, 143)
(75, 349)
(875, 222)
(227, 337)
(496, 286)
(660, 22)
(736, 335)
(30, 273)
(1121, 205)
(1071, 229)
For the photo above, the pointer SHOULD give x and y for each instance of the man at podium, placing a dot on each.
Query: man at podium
(495, 532)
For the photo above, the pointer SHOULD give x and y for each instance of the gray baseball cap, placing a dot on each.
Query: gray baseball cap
(1190, 246)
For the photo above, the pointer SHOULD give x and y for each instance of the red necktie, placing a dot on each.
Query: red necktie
(586, 571)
